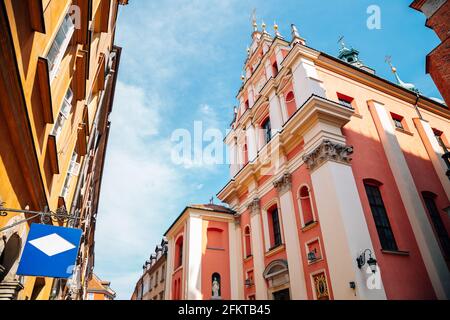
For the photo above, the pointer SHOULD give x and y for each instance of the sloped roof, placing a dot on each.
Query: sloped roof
(98, 285)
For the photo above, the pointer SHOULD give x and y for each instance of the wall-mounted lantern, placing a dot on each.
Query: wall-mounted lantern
(361, 260)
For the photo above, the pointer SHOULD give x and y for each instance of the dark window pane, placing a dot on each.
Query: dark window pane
(439, 227)
(276, 228)
(380, 217)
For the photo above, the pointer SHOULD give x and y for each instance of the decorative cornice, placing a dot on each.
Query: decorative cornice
(284, 183)
(328, 151)
(254, 206)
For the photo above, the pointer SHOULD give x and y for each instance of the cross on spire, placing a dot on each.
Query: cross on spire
(253, 18)
(341, 42)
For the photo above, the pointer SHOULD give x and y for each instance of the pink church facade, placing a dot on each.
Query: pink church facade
(330, 164)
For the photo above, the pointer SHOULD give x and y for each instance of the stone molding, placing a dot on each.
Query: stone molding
(328, 151)
(254, 206)
(284, 183)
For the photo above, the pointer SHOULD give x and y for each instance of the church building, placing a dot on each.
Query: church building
(339, 186)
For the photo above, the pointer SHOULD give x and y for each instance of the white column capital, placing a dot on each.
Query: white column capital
(284, 183)
(328, 151)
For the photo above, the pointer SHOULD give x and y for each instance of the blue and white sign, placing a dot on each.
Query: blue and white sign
(50, 251)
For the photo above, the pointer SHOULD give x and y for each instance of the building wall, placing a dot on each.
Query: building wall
(417, 270)
(28, 160)
(369, 161)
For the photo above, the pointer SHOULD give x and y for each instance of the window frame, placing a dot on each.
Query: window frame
(266, 126)
(63, 114)
(380, 216)
(436, 222)
(55, 62)
(276, 227)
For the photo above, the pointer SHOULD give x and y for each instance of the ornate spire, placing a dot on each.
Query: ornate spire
(408, 86)
(277, 32)
(254, 24)
(296, 35)
(263, 25)
(294, 30)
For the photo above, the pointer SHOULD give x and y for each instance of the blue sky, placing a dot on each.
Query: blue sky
(181, 63)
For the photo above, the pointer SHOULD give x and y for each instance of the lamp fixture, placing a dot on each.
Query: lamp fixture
(361, 260)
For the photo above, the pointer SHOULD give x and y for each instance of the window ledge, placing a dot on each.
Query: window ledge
(315, 261)
(216, 249)
(398, 252)
(404, 131)
(250, 257)
(274, 250)
(310, 226)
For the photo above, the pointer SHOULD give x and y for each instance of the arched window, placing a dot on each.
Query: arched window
(267, 127)
(179, 252)
(306, 206)
(436, 220)
(274, 69)
(291, 105)
(275, 228)
(248, 242)
(379, 214)
(216, 289)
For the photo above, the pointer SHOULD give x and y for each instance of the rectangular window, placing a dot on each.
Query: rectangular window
(439, 228)
(276, 228)
(345, 100)
(59, 45)
(63, 114)
(156, 279)
(381, 219)
(441, 139)
(74, 170)
(398, 121)
(267, 127)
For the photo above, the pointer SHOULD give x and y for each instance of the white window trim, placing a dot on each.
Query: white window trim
(63, 48)
(67, 101)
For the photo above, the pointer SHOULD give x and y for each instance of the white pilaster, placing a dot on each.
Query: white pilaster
(236, 262)
(194, 261)
(268, 68)
(251, 98)
(344, 230)
(293, 252)
(258, 251)
(306, 82)
(283, 107)
(423, 232)
(276, 119)
(279, 57)
(169, 270)
(265, 222)
(434, 151)
(251, 142)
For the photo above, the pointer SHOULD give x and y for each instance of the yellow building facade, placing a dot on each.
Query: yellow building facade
(56, 56)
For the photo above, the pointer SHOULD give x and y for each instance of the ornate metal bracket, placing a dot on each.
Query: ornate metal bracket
(60, 215)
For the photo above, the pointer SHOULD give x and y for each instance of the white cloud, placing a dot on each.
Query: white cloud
(142, 190)
(140, 187)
